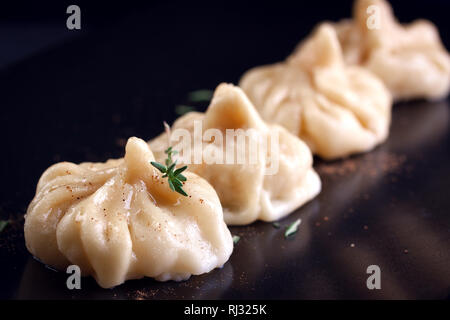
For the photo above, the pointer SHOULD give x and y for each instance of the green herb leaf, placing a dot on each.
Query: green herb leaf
(180, 190)
(159, 166)
(236, 239)
(177, 183)
(183, 109)
(292, 228)
(200, 95)
(179, 171)
(174, 178)
(171, 167)
(171, 185)
(3, 224)
(276, 225)
(168, 150)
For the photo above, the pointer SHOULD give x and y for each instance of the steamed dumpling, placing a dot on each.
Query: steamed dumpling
(410, 59)
(336, 109)
(248, 191)
(119, 220)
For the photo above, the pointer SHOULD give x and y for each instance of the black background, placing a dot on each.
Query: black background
(77, 95)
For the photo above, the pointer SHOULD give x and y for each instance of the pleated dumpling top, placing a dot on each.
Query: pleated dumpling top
(120, 220)
(409, 58)
(277, 181)
(338, 110)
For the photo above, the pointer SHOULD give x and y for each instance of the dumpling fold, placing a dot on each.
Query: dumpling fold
(120, 220)
(278, 180)
(409, 58)
(338, 110)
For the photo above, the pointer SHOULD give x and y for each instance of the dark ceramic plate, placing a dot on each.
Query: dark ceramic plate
(80, 101)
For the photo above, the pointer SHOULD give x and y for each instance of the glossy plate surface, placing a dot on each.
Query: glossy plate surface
(81, 100)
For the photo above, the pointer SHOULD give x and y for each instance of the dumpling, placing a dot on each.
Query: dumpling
(120, 220)
(410, 59)
(336, 109)
(278, 180)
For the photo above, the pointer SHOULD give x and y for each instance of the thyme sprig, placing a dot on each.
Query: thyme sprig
(202, 95)
(195, 97)
(174, 176)
(3, 224)
(292, 228)
(183, 109)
